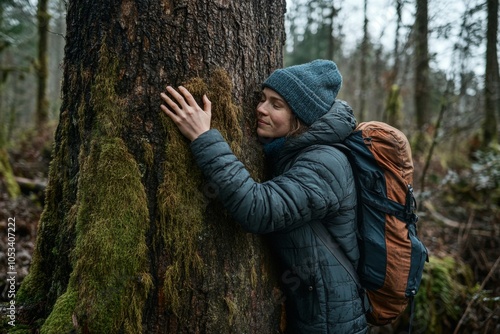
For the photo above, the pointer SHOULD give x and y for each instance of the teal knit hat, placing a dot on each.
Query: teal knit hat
(309, 89)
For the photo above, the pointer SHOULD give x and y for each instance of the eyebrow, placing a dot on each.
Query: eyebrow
(273, 98)
(277, 100)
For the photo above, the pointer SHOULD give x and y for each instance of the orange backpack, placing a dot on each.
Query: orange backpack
(392, 257)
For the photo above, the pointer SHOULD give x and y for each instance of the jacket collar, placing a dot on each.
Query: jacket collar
(333, 127)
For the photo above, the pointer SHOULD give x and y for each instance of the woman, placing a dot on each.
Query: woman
(299, 118)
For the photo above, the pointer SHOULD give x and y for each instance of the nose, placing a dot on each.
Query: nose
(260, 109)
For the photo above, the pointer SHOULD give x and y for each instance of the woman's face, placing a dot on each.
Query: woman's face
(274, 116)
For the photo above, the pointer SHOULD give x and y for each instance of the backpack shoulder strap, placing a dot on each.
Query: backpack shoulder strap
(332, 245)
(352, 161)
(323, 234)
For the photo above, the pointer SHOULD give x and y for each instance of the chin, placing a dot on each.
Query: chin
(261, 133)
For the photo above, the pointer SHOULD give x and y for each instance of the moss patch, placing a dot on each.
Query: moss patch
(109, 281)
(45, 281)
(226, 116)
(446, 285)
(7, 176)
(110, 255)
(181, 200)
(61, 320)
(393, 107)
(107, 106)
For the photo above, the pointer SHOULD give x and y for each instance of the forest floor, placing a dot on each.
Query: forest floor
(29, 158)
(450, 227)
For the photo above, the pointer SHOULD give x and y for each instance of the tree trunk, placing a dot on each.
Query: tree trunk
(397, 61)
(331, 36)
(42, 66)
(422, 92)
(56, 47)
(394, 101)
(131, 238)
(364, 59)
(492, 78)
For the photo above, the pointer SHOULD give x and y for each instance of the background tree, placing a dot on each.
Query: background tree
(319, 37)
(394, 101)
(127, 241)
(57, 11)
(469, 39)
(363, 65)
(492, 78)
(17, 29)
(13, 29)
(422, 89)
(42, 65)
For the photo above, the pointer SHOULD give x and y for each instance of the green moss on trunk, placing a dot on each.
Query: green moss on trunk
(111, 253)
(110, 280)
(45, 281)
(393, 106)
(181, 200)
(447, 283)
(7, 176)
(60, 320)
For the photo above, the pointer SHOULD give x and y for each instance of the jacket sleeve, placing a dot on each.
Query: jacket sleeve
(310, 189)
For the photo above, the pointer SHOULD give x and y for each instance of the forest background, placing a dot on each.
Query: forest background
(429, 75)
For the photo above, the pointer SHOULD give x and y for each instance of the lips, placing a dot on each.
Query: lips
(261, 122)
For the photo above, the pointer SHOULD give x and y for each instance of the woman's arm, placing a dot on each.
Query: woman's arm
(311, 189)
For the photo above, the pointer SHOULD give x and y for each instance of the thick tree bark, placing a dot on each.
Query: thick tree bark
(131, 238)
(492, 78)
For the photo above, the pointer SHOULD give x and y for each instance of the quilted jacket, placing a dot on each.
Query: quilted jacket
(312, 182)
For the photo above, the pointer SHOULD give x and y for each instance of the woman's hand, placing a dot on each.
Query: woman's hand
(190, 118)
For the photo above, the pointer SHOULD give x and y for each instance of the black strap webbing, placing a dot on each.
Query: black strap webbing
(412, 313)
(334, 248)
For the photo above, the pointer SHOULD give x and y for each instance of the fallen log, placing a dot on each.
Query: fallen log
(28, 186)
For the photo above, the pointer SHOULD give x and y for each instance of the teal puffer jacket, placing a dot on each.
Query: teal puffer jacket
(313, 182)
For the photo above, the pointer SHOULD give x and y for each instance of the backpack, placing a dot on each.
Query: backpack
(392, 257)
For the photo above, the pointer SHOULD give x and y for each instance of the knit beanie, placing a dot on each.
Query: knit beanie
(309, 89)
